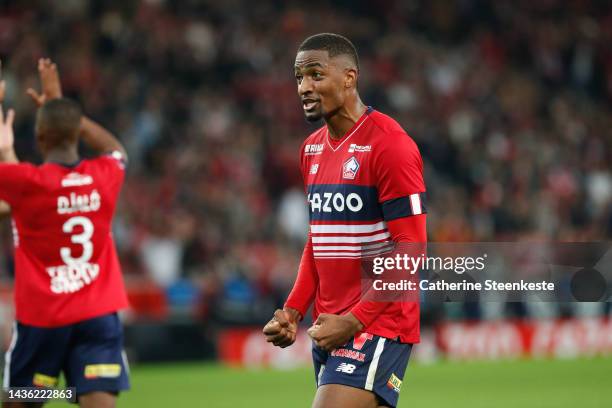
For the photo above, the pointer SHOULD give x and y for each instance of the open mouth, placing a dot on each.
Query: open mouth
(309, 104)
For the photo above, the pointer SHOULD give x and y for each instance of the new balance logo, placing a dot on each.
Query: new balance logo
(346, 368)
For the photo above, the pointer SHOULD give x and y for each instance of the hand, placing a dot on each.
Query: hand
(50, 82)
(7, 138)
(5, 210)
(331, 331)
(282, 329)
(2, 90)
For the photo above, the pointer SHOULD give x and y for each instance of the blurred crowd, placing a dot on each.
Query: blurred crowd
(510, 102)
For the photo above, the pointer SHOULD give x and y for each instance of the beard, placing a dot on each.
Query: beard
(315, 116)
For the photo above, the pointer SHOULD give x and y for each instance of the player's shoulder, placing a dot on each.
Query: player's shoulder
(22, 169)
(21, 166)
(390, 133)
(115, 159)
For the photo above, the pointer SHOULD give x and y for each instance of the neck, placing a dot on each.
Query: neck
(65, 156)
(346, 117)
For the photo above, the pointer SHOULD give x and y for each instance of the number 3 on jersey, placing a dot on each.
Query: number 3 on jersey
(83, 238)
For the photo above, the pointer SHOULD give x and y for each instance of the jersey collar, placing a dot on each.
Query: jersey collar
(335, 145)
(69, 165)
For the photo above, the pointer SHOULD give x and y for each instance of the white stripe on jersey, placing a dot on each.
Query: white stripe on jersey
(347, 228)
(366, 247)
(415, 203)
(350, 239)
(345, 254)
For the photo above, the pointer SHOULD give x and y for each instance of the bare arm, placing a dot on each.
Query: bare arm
(100, 139)
(5, 209)
(7, 153)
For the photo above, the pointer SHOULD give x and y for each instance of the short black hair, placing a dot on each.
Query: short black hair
(60, 120)
(334, 44)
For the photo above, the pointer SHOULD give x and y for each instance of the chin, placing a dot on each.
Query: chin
(313, 117)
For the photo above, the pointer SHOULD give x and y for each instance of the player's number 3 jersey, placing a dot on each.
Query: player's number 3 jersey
(66, 265)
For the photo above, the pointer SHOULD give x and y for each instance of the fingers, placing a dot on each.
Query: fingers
(313, 331)
(44, 63)
(279, 331)
(10, 118)
(277, 338)
(322, 333)
(272, 328)
(287, 341)
(320, 338)
(282, 339)
(49, 78)
(322, 318)
(36, 97)
(280, 317)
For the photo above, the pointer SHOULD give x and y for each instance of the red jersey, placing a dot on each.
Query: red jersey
(66, 265)
(357, 188)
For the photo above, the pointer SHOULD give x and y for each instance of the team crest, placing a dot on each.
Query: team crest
(349, 169)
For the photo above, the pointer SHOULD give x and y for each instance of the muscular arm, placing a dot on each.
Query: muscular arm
(7, 150)
(100, 139)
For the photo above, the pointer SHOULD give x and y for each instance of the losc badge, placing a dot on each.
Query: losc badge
(349, 168)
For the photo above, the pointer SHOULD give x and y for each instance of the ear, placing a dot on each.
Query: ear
(40, 140)
(350, 78)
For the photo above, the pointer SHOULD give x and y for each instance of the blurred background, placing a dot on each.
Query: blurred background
(510, 103)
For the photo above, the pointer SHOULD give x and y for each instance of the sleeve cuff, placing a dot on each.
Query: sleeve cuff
(301, 310)
(357, 312)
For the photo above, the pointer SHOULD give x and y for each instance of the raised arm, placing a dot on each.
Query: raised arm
(93, 134)
(100, 139)
(13, 175)
(5, 209)
(7, 139)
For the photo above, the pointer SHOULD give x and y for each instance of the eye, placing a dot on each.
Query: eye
(317, 75)
(299, 78)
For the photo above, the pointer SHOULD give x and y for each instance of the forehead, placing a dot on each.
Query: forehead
(305, 59)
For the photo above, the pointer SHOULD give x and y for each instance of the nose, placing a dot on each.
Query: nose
(306, 86)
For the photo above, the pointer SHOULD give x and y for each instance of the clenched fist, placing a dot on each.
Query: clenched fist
(281, 330)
